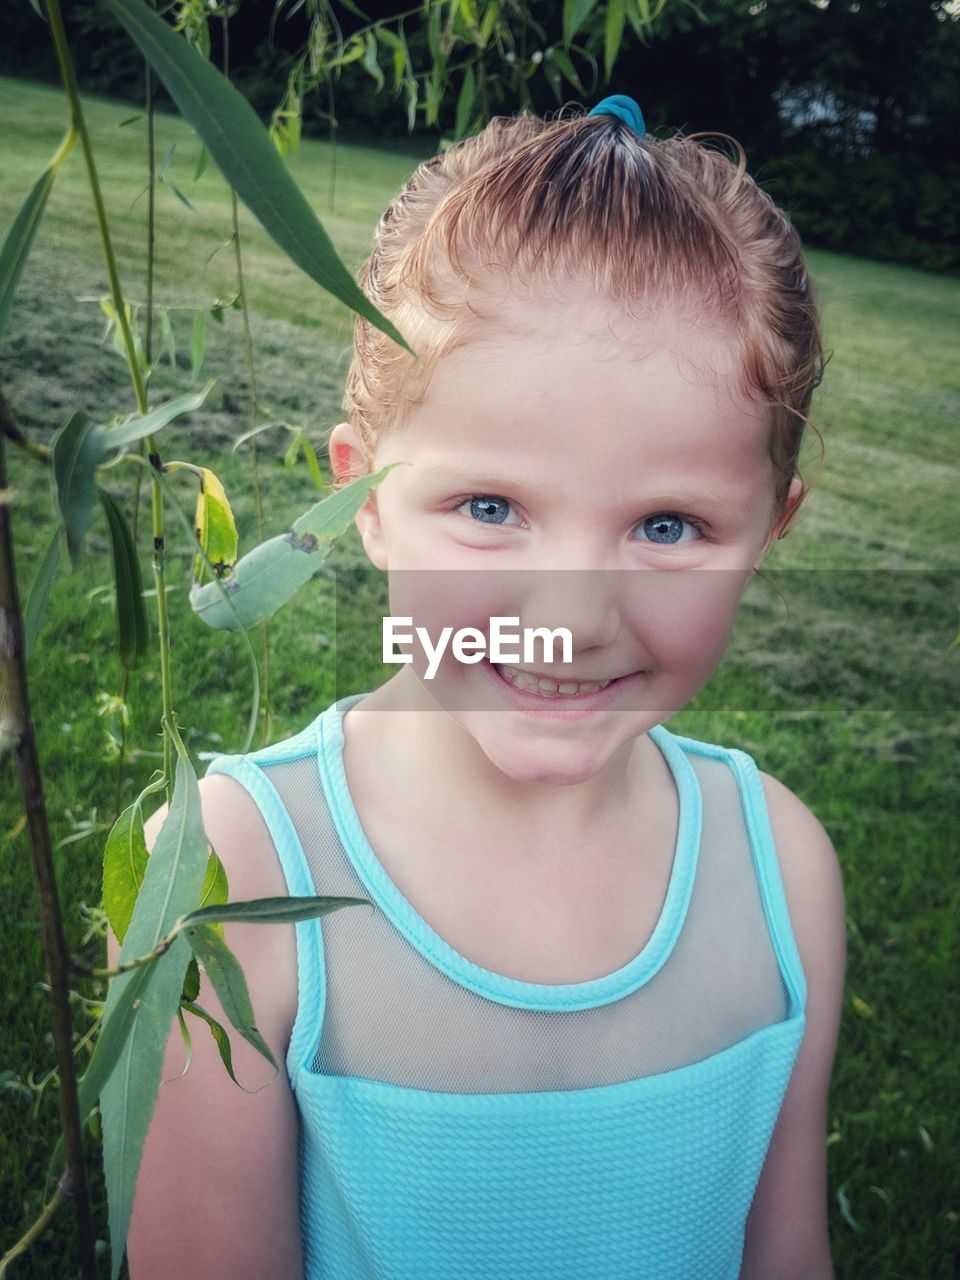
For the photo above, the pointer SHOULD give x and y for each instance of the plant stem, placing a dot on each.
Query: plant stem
(69, 78)
(13, 433)
(331, 113)
(148, 352)
(151, 201)
(252, 380)
(16, 730)
(33, 1233)
(162, 947)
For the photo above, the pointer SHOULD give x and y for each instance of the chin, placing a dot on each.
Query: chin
(564, 766)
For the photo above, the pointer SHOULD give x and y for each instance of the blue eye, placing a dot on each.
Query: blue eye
(666, 528)
(488, 509)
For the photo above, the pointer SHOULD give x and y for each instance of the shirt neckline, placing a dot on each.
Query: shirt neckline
(485, 982)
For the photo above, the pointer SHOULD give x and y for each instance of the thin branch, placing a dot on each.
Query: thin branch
(16, 731)
(13, 433)
(34, 1232)
(252, 380)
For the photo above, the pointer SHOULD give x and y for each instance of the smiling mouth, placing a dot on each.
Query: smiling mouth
(546, 686)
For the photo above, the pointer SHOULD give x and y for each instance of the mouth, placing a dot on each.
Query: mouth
(547, 687)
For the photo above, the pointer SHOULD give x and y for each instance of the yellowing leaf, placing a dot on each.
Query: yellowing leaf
(215, 527)
(861, 1007)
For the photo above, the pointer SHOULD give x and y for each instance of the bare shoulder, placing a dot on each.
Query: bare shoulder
(811, 873)
(814, 892)
(242, 1171)
(786, 1232)
(237, 831)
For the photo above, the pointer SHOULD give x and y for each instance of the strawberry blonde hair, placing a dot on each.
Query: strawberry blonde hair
(586, 201)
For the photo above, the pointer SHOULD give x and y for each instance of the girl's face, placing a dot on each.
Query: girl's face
(587, 469)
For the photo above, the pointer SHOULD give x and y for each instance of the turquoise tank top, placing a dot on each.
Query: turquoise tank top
(457, 1124)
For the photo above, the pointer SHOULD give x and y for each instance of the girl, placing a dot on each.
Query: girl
(586, 1030)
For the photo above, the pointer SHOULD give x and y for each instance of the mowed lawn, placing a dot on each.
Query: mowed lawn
(842, 678)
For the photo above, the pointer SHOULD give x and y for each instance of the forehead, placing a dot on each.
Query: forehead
(595, 381)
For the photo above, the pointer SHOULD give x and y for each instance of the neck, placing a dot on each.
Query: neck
(417, 742)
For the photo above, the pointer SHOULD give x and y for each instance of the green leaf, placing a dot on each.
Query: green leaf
(241, 147)
(313, 465)
(124, 865)
(215, 889)
(137, 428)
(198, 344)
(226, 976)
(352, 51)
(613, 34)
(171, 887)
(413, 93)
(370, 63)
(191, 981)
(188, 1047)
(220, 1036)
(40, 591)
(566, 68)
(202, 160)
(272, 910)
(129, 120)
(399, 64)
(113, 1037)
(465, 101)
(80, 446)
(490, 16)
(215, 528)
(575, 14)
(180, 196)
(167, 338)
(125, 1012)
(16, 246)
(248, 435)
(131, 314)
(133, 632)
(166, 161)
(293, 450)
(300, 444)
(272, 573)
(433, 34)
(75, 455)
(845, 1211)
(552, 73)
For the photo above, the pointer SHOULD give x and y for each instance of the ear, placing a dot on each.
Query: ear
(784, 519)
(349, 461)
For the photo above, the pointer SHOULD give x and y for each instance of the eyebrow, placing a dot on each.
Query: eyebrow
(466, 478)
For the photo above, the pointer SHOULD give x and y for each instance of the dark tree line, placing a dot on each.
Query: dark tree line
(847, 108)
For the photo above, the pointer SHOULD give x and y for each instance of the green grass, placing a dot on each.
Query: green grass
(844, 685)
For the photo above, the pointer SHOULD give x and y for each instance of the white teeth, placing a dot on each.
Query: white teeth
(548, 688)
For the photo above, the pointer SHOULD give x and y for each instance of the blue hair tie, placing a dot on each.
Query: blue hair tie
(623, 108)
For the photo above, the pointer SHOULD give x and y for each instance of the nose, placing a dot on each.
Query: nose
(585, 601)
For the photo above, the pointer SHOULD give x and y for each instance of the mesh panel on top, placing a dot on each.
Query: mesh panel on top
(392, 1015)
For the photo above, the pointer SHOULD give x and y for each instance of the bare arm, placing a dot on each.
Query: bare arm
(217, 1194)
(786, 1235)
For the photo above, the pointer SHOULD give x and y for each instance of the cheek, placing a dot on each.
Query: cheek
(437, 598)
(687, 616)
